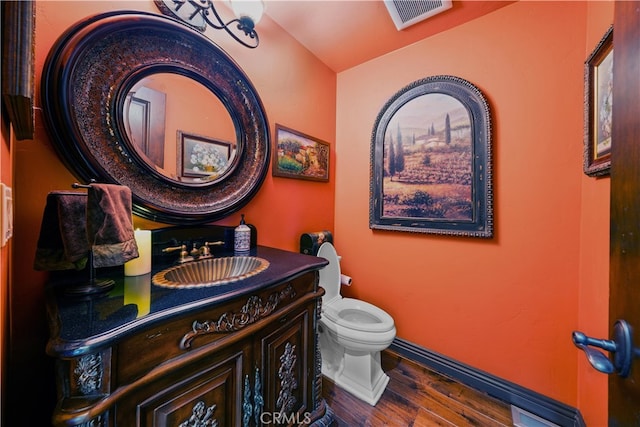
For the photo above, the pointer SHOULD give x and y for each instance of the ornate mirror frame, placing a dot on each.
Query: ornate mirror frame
(85, 81)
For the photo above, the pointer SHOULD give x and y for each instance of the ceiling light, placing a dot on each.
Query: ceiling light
(200, 13)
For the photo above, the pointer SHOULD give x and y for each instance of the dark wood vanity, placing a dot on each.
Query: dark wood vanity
(239, 354)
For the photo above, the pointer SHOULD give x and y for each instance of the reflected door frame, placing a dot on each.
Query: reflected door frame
(145, 122)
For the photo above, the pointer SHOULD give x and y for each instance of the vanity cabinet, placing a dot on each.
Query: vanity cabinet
(247, 356)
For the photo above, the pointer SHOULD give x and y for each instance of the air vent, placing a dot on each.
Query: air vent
(408, 12)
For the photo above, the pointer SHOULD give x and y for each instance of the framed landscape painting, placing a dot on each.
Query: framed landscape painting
(598, 104)
(431, 168)
(301, 156)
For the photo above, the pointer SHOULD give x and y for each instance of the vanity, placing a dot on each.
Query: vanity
(236, 354)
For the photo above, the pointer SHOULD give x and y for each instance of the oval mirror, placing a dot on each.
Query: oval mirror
(188, 146)
(142, 100)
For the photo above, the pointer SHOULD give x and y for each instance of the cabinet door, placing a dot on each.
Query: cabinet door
(203, 393)
(285, 357)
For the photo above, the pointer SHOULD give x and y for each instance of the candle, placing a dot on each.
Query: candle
(137, 290)
(142, 264)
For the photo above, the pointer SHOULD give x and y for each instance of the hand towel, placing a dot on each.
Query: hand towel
(110, 225)
(62, 244)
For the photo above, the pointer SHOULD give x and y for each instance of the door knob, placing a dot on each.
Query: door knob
(621, 347)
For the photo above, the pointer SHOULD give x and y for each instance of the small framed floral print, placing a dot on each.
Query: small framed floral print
(203, 157)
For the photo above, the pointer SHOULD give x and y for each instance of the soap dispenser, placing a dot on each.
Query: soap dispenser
(242, 238)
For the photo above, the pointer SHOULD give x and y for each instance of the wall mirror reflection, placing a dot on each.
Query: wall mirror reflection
(186, 145)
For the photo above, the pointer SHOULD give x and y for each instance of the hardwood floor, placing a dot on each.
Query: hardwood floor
(417, 396)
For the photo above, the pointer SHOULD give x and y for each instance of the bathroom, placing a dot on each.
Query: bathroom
(447, 294)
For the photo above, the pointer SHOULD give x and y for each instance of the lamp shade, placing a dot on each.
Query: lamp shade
(252, 9)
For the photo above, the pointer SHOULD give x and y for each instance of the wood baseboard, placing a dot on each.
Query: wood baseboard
(531, 401)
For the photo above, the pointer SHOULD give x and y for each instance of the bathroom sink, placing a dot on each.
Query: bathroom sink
(210, 272)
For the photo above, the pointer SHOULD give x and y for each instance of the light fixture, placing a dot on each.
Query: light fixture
(200, 13)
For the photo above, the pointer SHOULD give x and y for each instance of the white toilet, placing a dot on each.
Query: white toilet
(352, 335)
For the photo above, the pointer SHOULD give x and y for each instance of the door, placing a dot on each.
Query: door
(624, 303)
(145, 122)
(623, 362)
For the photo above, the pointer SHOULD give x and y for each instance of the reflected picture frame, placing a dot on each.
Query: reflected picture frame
(598, 102)
(202, 156)
(300, 156)
(431, 160)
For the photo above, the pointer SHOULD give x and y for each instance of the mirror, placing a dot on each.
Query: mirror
(141, 100)
(189, 146)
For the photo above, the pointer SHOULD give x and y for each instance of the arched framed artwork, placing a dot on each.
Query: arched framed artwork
(431, 167)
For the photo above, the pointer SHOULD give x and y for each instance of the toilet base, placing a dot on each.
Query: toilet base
(361, 375)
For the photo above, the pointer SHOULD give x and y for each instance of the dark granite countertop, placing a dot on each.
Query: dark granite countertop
(79, 325)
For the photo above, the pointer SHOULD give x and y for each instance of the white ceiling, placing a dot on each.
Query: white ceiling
(345, 33)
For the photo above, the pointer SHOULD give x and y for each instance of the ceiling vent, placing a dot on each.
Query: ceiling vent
(408, 12)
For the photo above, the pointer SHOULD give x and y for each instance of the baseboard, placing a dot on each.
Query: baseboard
(535, 403)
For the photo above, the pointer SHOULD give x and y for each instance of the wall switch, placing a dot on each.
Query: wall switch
(6, 212)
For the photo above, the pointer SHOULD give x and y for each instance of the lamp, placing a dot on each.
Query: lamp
(200, 13)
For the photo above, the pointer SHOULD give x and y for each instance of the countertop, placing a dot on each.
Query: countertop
(80, 324)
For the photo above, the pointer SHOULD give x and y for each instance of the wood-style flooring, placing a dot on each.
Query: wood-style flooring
(417, 396)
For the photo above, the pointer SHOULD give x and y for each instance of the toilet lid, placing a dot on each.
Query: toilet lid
(330, 274)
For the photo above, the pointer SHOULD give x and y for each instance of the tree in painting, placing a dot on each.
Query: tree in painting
(429, 173)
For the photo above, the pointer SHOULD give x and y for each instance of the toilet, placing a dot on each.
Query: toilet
(352, 334)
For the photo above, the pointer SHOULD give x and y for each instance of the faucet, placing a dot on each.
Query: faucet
(184, 255)
(195, 253)
(204, 251)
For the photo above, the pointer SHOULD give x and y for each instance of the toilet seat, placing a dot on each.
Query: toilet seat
(358, 315)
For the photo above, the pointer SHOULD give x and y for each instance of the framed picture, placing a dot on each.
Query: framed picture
(18, 76)
(431, 169)
(598, 101)
(300, 156)
(203, 157)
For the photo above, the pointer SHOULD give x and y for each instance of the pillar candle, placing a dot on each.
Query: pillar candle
(137, 290)
(142, 264)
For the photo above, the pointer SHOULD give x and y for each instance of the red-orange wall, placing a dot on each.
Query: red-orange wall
(593, 292)
(506, 305)
(297, 90)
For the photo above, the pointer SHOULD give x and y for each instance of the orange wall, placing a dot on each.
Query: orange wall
(593, 297)
(505, 305)
(297, 90)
